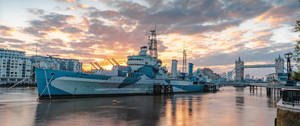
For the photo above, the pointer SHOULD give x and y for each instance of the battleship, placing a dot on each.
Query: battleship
(143, 75)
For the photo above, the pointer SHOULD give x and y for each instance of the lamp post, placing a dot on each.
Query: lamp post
(288, 57)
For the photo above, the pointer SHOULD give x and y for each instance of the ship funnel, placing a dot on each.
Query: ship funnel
(174, 68)
(191, 65)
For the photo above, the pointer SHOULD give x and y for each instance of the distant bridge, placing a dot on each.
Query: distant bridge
(239, 67)
(259, 66)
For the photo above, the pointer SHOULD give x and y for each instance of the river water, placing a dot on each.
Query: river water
(228, 107)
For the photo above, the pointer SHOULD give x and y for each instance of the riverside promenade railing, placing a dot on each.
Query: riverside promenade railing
(291, 96)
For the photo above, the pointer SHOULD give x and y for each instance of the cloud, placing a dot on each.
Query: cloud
(69, 1)
(257, 55)
(216, 32)
(278, 14)
(36, 11)
(189, 16)
(71, 30)
(107, 13)
(52, 42)
(2, 27)
(49, 22)
(6, 31)
(55, 19)
(10, 40)
(78, 6)
(112, 34)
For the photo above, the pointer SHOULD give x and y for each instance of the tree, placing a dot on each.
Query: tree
(296, 75)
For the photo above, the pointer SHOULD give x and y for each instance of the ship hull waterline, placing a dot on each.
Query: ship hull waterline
(62, 84)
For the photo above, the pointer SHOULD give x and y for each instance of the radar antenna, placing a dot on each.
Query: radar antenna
(153, 43)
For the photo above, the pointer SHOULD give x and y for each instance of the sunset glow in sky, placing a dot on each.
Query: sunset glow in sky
(214, 32)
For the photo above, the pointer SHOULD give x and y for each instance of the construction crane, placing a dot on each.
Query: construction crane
(98, 65)
(115, 61)
(93, 65)
(110, 61)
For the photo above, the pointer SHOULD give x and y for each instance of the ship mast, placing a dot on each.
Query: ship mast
(153, 43)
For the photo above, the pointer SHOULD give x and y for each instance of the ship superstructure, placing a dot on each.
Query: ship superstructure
(138, 61)
(147, 55)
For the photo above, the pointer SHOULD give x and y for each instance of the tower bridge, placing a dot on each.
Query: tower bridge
(239, 67)
(260, 66)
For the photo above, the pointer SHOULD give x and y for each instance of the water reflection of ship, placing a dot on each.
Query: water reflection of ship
(137, 110)
(239, 89)
(140, 111)
(182, 110)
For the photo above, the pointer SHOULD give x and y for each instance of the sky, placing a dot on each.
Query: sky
(214, 32)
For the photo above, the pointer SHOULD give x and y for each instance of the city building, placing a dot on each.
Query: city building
(203, 77)
(16, 67)
(229, 76)
(210, 74)
(247, 77)
(223, 75)
(56, 63)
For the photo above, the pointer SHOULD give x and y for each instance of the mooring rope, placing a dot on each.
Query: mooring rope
(47, 85)
(16, 83)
